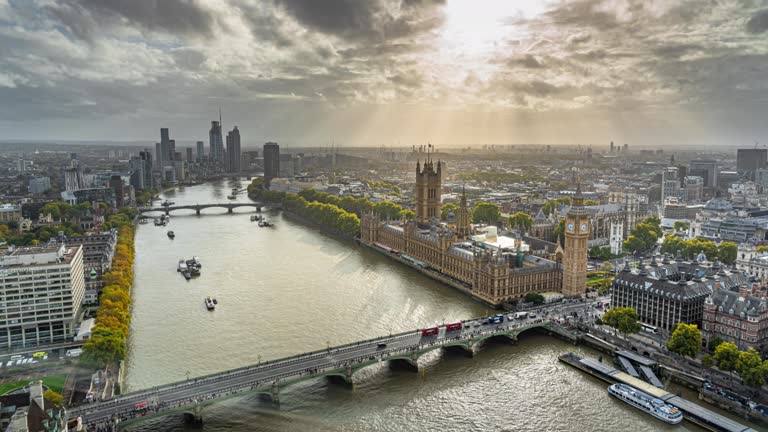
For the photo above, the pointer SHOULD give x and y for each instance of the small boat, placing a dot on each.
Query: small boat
(143, 221)
(187, 275)
(231, 197)
(255, 218)
(645, 402)
(210, 304)
(196, 261)
(182, 267)
(171, 234)
(265, 223)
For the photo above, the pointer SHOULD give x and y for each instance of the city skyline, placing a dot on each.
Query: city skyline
(645, 73)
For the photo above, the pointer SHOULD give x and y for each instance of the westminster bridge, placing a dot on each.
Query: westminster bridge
(338, 362)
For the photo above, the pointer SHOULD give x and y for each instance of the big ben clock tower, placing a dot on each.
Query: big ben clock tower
(575, 258)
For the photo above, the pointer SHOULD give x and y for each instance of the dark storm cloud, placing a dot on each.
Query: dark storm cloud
(526, 61)
(758, 23)
(355, 19)
(186, 17)
(675, 51)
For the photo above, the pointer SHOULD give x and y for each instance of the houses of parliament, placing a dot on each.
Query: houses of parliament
(492, 268)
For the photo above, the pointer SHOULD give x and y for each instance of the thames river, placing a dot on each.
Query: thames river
(291, 289)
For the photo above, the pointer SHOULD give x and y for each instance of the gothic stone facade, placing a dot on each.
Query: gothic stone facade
(491, 276)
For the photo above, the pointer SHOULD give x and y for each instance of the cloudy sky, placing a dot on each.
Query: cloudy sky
(383, 72)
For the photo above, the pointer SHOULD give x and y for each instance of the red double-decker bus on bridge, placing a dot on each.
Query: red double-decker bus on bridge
(431, 331)
(453, 326)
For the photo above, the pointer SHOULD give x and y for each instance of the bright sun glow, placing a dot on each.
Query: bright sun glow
(475, 29)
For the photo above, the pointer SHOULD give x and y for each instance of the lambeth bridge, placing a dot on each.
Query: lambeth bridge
(339, 363)
(167, 209)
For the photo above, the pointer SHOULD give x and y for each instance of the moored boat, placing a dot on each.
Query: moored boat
(171, 234)
(645, 402)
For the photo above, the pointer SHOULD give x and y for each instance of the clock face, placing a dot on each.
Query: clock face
(583, 227)
(570, 227)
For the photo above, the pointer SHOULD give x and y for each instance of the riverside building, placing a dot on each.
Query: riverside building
(493, 268)
(672, 291)
(41, 292)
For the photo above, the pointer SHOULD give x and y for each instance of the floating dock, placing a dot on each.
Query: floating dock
(692, 412)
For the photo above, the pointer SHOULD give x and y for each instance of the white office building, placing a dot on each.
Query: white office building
(41, 293)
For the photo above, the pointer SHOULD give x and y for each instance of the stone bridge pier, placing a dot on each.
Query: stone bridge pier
(465, 350)
(411, 363)
(195, 418)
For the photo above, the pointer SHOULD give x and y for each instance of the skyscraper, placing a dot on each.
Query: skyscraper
(706, 169)
(748, 161)
(215, 141)
(233, 151)
(271, 162)
(200, 151)
(165, 152)
(190, 158)
(158, 155)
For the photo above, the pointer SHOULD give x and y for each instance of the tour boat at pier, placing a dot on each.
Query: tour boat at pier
(645, 402)
(171, 234)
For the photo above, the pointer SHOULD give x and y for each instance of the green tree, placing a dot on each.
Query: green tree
(751, 368)
(408, 214)
(623, 319)
(522, 221)
(680, 226)
(557, 233)
(707, 361)
(534, 298)
(53, 397)
(387, 210)
(485, 212)
(447, 208)
(644, 236)
(714, 343)
(685, 340)
(672, 244)
(607, 267)
(726, 356)
(727, 252)
(697, 245)
(761, 249)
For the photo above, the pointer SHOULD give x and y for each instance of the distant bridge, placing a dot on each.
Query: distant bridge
(268, 378)
(199, 207)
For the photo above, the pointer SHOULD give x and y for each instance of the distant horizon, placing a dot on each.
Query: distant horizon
(478, 146)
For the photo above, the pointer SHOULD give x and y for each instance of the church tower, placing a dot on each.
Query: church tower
(575, 258)
(428, 183)
(462, 219)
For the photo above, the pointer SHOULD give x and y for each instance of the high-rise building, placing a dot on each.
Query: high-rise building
(190, 157)
(271, 162)
(670, 184)
(158, 155)
(73, 179)
(706, 169)
(116, 183)
(576, 238)
(200, 151)
(427, 194)
(215, 142)
(51, 278)
(748, 161)
(39, 185)
(233, 151)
